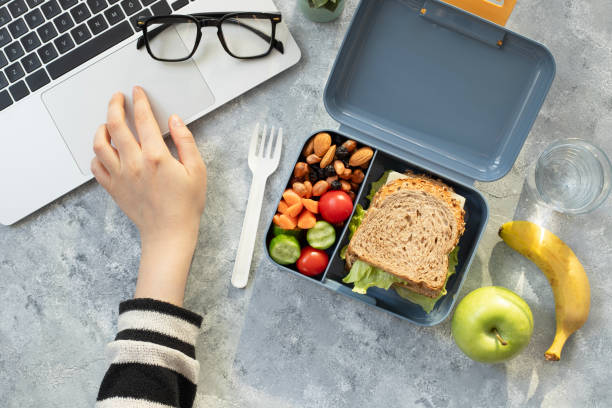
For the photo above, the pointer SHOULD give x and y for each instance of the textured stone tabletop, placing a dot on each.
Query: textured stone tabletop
(284, 342)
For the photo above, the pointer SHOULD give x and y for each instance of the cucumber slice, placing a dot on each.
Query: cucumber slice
(322, 235)
(284, 249)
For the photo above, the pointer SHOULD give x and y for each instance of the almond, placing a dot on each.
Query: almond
(322, 142)
(313, 159)
(346, 174)
(354, 186)
(346, 186)
(361, 157)
(308, 186)
(357, 176)
(309, 148)
(329, 157)
(339, 167)
(320, 188)
(331, 179)
(350, 145)
(300, 189)
(301, 170)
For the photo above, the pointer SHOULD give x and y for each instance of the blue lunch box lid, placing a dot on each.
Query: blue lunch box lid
(430, 82)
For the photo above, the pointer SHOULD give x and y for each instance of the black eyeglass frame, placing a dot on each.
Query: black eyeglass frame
(209, 20)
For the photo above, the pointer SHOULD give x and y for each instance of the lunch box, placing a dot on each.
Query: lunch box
(438, 90)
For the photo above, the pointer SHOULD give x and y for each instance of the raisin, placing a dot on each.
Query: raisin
(330, 171)
(342, 153)
(313, 175)
(335, 185)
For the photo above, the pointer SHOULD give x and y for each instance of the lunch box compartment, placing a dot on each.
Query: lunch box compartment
(339, 230)
(475, 222)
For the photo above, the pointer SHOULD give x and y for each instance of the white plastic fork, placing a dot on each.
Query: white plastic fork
(262, 164)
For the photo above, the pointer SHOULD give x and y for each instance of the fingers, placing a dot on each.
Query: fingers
(104, 151)
(100, 173)
(150, 136)
(118, 129)
(187, 149)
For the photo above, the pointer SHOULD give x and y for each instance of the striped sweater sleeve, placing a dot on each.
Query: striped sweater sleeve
(152, 359)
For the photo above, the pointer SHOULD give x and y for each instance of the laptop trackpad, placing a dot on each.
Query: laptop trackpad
(78, 105)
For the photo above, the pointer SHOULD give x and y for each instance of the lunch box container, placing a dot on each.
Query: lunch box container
(437, 90)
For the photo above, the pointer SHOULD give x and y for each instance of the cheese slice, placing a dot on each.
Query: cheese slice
(394, 175)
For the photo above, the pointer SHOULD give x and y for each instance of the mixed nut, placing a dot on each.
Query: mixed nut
(327, 166)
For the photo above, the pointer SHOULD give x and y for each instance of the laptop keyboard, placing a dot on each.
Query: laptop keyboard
(41, 40)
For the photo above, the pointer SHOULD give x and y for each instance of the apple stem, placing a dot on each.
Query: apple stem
(500, 338)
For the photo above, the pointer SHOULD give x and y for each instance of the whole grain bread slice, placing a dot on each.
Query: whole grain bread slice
(409, 230)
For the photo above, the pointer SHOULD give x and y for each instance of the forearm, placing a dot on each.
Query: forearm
(164, 266)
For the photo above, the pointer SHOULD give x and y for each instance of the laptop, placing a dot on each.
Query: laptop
(60, 62)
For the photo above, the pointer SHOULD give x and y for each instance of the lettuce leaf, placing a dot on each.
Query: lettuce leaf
(377, 185)
(364, 276)
(353, 225)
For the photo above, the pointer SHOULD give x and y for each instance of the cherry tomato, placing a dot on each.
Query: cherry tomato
(335, 206)
(312, 261)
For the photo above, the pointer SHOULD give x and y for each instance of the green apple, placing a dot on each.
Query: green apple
(492, 324)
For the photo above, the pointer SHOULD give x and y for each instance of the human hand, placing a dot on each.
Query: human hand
(163, 196)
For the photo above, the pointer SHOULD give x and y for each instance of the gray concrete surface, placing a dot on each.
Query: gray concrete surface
(284, 342)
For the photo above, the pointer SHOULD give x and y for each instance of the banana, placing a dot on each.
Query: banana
(565, 274)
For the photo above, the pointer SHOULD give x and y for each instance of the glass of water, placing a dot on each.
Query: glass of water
(571, 176)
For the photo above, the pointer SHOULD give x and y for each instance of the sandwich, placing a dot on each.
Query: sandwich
(407, 239)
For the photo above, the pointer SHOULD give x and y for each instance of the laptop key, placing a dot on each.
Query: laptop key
(147, 2)
(90, 49)
(131, 6)
(30, 41)
(51, 9)
(17, 8)
(3, 81)
(80, 34)
(63, 23)
(140, 16)
(47, 32)
(19, 90)
(179, 4)
(3, 60)
(14, 72)
(31, 62)
(5, 38)
(37, 80)
(5, 17)
(47, 53)
(5, 100)
(80, 13)
(34, 18)
(18, 28)
(66, 4)
(97, 6)
(161, 8)
(14, 51)
(64, 43)
(97, 24)
(114, 15)
(34, 3)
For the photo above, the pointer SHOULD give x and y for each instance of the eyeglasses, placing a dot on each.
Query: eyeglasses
(243, 35)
